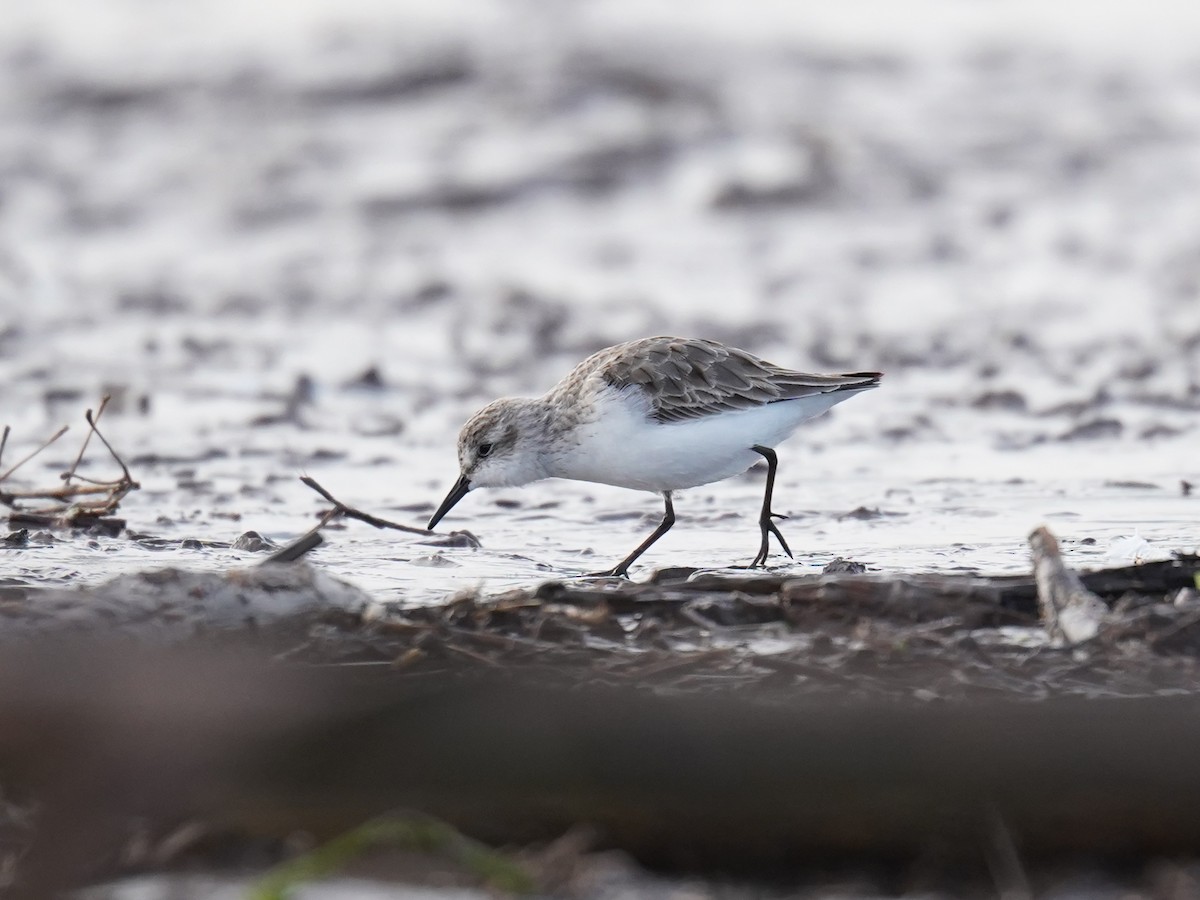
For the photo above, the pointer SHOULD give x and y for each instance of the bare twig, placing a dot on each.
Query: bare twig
(4, 440)
(312, 483)
(69, 474)
(472, 655)
(96, 482)
(27, 458)
(351, 513)
(120, 462)
(62, 493)
(297, 548)
(88, 502)
(310, 540)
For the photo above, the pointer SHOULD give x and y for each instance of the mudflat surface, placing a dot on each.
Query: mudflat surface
(392, 216)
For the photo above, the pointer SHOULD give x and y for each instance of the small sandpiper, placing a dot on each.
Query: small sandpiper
(658, 414)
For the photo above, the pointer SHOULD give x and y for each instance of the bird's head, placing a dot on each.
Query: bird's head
(495, 449)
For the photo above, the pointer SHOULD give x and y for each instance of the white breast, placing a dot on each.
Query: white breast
(624, 447)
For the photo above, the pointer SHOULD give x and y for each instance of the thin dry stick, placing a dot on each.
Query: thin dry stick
(296, 549)
(127, 479)
(26, 459)
(95, 482)
(4, 440)
(351, 513)
(67, 475)
(310, 540)
(62, 493)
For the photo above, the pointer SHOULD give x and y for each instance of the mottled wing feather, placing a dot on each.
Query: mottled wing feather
(689, 379)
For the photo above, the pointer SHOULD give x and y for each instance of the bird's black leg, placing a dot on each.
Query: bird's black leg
(622, 568)
(765, 520)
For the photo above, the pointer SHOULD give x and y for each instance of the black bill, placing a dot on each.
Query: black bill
(456, 493)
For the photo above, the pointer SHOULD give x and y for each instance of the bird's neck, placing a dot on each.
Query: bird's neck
(537, 426)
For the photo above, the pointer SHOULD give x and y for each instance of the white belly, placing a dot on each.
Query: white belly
(624, 447)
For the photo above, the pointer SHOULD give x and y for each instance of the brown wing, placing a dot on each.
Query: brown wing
(689, 379)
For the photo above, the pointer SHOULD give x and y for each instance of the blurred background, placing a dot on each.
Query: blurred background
(314, 236)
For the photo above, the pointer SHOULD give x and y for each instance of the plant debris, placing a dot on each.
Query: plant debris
(78, 502)
(312, 539)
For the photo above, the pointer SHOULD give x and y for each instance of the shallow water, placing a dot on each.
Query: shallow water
(1007, 227)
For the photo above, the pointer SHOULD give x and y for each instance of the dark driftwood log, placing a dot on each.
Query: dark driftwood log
(982, 601)
(709, 782)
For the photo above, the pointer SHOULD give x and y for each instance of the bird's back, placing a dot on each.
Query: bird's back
(686, 379)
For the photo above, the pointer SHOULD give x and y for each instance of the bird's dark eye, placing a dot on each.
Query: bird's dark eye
(484, 450)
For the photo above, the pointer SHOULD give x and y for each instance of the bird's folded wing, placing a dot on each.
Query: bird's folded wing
(690, 379)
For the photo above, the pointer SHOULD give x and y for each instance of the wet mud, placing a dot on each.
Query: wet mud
(322, 260)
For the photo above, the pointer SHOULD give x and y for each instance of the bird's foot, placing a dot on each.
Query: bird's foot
(769, 528)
